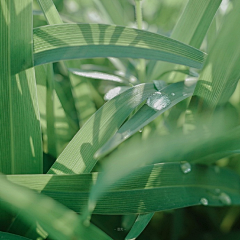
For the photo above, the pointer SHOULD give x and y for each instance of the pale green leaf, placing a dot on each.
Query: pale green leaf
(220, 74)
(174, 93)
(59, 221)
(77, 157)
(20, 140)
(191, 29)
(166, 183)
(71, 41)
(50, 12)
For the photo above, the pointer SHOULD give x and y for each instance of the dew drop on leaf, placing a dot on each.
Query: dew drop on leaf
(186, 167)
(173, 94)
(157, 101)
(225, 199)
(204, 201)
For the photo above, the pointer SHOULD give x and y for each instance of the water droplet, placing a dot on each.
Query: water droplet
(186, 167)
(225, 199)
(140, 130)
(204, 201)
(159, 84)
(114, 92)
(185, 94)
(173, 94)
(157, 101)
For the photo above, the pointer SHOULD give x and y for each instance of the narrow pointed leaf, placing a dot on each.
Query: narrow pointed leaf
(50, 12)
(220, 74)
(9, 236)
(174, 93)
(77, 157)
(166, 183)
(59, 221)
(190, 29)
(97, 75)
(140, 224)
(20, 140)
(71, 41)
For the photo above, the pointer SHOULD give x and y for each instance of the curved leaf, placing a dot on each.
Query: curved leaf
(77, 157)
(175, 93)
(166, 183)
(60, 222)
(71, 41)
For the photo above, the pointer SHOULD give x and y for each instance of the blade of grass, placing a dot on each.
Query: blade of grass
(50, 12)
(159, 149)
(175, 92)
(77, 157)
(140, 224)
(78, 89)
(70, 41)
(59, 221)
(190, 29)
(97, 75)
(9, 236)
(220, 74)
(64, 127)
(166, 183)
(112, 11)
(20, 141)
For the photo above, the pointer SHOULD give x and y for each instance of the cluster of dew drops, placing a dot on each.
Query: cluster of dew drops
(217, 193)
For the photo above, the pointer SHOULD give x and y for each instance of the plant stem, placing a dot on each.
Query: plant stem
(142, 65)
(138, 9)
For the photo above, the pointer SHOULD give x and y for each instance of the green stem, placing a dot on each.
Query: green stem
(142, 64)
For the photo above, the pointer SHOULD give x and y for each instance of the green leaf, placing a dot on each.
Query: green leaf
(71, 41)
(190, 29)
(50, 12)
(9, 236)
(174, 93)
(79, 90)
(20, 140)
(77, 157)
(157, 149)
(140, 224)
(166, 183)
(113, 12)
(220, 74)
(97, 75)
(60, 222)
(56, 123)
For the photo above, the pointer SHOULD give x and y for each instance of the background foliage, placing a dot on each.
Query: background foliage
(109, 131)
